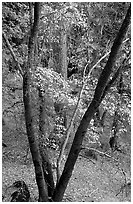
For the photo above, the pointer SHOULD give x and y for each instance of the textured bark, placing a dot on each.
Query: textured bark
(81, 131)
(46, 164)
(28, 108)
(32, 141)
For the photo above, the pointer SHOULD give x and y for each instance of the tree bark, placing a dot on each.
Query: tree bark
(82, 129)
(63, 62)
(46, 164)
(43, 196)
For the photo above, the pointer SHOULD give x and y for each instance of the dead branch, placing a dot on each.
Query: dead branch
(99, 152)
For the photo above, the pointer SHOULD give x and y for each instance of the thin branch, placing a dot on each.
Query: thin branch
(12, 53)
(99, 152)
(70, 127)
(98, 63)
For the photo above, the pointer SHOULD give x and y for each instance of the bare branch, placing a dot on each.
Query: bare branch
(99, 152)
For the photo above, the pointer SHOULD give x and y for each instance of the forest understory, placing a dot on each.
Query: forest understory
(92, 181)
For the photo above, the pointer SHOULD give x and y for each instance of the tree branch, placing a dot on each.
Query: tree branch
(99, 152)
(12, 53)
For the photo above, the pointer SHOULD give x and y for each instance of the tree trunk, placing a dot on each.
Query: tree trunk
(46, 165)
(64, 53)
(32, 141)
(63, 62)
(28, 108)
(81, 131)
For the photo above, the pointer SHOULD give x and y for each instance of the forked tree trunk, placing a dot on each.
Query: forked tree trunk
(81, 131)
(42, 187)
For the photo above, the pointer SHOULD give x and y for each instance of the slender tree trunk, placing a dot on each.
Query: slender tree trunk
(43, 196)
(64, 53)
(81, 131)
(46, 165)
(63, 60)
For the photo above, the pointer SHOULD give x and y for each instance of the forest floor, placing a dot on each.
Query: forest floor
(98, 181)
